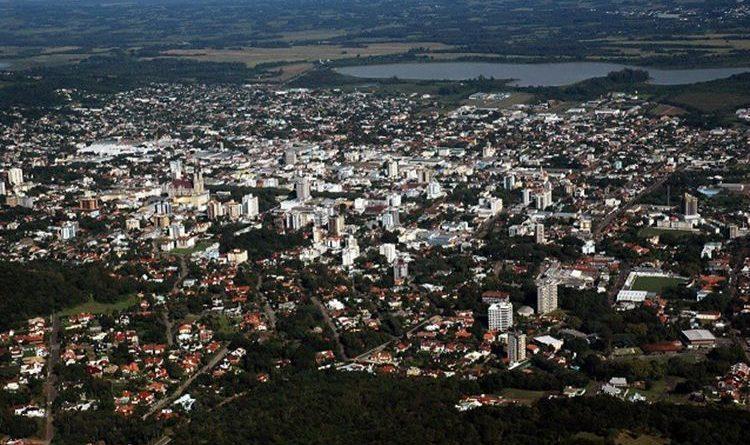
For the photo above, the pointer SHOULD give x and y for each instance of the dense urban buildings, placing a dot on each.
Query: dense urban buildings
(184, 248)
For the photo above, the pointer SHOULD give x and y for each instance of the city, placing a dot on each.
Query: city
(225, 237)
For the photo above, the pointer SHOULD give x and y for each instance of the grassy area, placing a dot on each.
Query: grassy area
(655, 284)
(96, 307)
(202, 245)
(524, 396)
(628, 438)
(648, 232)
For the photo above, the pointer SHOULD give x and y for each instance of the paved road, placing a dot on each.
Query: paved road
(50, 391)
(363, 357)
(604, 224)
(165, 312)
(332, 325)
(219, 356)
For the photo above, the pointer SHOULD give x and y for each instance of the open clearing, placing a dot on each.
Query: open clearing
(95, 307)
(655, 284)
(300, 53)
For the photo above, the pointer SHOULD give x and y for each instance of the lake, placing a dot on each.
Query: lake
(531, 74)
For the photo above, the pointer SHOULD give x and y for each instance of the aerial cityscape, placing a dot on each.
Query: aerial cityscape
(335, 222)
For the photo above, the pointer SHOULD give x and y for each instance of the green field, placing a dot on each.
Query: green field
(524, 396)
(96, 307)
(648, 232)
(655, 284)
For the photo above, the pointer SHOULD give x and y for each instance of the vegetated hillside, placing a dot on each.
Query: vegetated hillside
(40, 288)
(338, 408)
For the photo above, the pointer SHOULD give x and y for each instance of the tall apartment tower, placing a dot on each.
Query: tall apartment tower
(516, 347)
(303, 189)
(336, 225)
(691, 205)
(15, 176)
(500, 316)
(546, 296)
(250, 206)
(290, 156)
(539, 234)
(391, 169)
(400, 271)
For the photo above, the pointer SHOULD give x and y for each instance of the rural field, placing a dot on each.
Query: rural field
(253, 56)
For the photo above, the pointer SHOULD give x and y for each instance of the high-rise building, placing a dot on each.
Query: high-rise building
(516, 347)
(15, 176)
(336, 225)
(250, 206)
(434, 190)
(386, 220)
(88, 203)
(500, 316)
(233, 210)
(302, 187)
(526, 196)
(546, 296)
(176, 230)
(163, 207)
(394, 199)
(290, 157)
(509, 182)
(585, 224)
(734, 231)
(214, 209)
(424, 175)
(400, 271)
(543, 199)
(175, 168)
(388, 250)
(391, 169)
(68, 230)
(539, 234)
(691, 205)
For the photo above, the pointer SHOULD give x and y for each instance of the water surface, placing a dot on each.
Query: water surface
(531, 74)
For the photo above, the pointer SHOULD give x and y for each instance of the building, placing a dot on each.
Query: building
(290, 157)
(302, 188)
(88, 204)
(250, 206)
(539, 234)
(516, 348)
(15, 176)
(400, 271)
(68, 230)
(546, 296)
(691, 205)
(698, 338)
(500, 316)
(336, 225)
(214, 209)
(175, 168)
(163, 207)
(388, 250)
(526, 196)
(434, 190)
(543, 199)
(237, 256)
(391, 169)
(233, 210)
